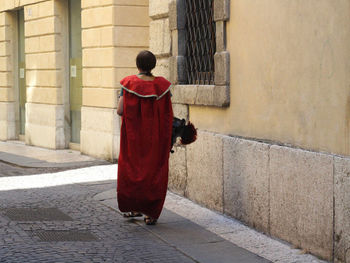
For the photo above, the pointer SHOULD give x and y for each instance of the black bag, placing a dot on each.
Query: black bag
(187, 132)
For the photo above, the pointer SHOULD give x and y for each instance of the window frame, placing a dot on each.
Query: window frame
(208, 95)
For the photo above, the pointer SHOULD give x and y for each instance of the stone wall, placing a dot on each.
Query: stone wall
(46, 52)
(8, 26)
(285, 192)
(112, 35)
(113, 32)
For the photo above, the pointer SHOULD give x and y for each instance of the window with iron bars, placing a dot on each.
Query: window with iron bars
(201, 42)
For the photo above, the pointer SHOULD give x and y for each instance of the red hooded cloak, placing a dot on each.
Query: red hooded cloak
(145, 141)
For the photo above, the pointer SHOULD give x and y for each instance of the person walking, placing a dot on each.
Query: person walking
(145, 141)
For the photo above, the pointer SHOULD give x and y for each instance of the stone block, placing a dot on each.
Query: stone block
(91, 37)
(45, 115)
(162, 68)
(130, 2)
(341, 209)
(45, 126)
(44, 78)
(220, 36)
(50, 43)
(178, 170)
(208, 95)
(5, 33)
(5, 48)
(45, 61)
(136, 36)
(97, 3)
(97, 17)
(222, 68)
(5, 64)
(178, 38)
(172, 15)
(301, 199)
(7, 5)
(126, 57)
(116, 36)
(100, 97)
(205, 170)
(115, 15)
(221, 10)
(100, 120)
(100, 132)
(160, 38)
(99, 57)
(25, 2)
(6, 79)
(6, 94)
(158, 8)
(101, 77)
(246, 182)
(40, 10)
(97, 144)
(7, 121)
(45, 95)
(32, 45)
(132, 16)
(181, 111)
(5, 19)
(177, 68)
(44, 26)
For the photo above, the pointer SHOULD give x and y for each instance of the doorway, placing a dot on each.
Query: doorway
(21, 73)
(75, 66)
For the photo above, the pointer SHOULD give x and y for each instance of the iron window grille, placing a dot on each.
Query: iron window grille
(201, 41)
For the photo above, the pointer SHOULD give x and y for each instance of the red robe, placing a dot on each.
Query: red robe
(145, 141)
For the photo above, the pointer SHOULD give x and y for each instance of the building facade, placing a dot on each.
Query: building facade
(271, 106)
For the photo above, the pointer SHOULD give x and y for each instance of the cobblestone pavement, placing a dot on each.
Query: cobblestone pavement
(117, 239)
(81, 207)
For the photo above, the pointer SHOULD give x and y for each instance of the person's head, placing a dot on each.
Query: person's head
(146, 61)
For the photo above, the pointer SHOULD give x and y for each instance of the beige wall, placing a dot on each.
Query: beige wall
(289, 74)
(113, 32)
(8, 57)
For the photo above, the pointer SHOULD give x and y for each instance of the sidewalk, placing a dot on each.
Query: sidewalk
(19, 154)
(195, 232)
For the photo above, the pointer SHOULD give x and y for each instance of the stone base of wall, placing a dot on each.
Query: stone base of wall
(45, 126)
(285, 192)
(100, 132)
(7, 121)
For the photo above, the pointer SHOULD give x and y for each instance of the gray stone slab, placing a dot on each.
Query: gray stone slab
(168, 216)
(184, 233)
(246, 182)
(201, 244)
(178, 170)
(341, 209)
(223, 252)
(205, 170)
(301, 199)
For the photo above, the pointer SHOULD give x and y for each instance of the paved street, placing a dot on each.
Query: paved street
(91, 231)
(55, 213)
(113, 238)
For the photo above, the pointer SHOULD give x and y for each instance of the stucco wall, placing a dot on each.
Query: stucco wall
(289, 74)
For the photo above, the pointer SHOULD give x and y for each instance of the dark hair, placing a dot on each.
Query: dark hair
(146, 61)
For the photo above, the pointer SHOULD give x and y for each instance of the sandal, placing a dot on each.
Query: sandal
(132, 214)
(149, 220)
